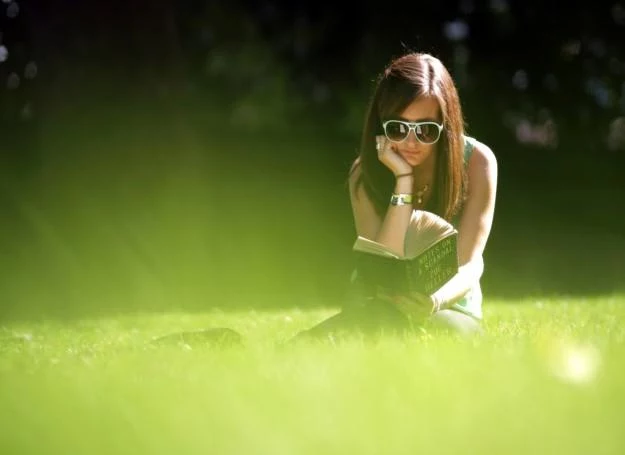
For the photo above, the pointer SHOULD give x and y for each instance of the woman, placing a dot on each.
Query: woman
(414, 154)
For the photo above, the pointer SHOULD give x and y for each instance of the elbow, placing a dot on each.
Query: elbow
(473, 269)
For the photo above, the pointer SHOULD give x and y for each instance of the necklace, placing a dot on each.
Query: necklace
(420, 193)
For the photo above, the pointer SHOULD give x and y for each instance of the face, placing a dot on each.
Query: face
(414, 152)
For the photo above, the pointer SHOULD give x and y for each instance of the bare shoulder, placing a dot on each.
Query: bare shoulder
(357, 192)
(483, 155)
(355, 172)
(366, 219)
(483, 162)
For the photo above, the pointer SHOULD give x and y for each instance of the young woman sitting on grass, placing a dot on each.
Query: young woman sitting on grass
(414, 154)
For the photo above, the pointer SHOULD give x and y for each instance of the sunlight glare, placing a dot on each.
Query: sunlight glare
(574, 363)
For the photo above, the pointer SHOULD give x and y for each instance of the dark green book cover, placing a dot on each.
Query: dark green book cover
(431, 260)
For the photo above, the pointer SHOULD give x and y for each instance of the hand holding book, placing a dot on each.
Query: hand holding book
(430, 260)
(414, 306)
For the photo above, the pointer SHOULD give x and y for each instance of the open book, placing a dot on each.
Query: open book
(430, 259)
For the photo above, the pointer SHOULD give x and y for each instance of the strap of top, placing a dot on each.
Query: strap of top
(468, 149)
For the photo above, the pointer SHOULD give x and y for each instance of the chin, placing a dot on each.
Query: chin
(413, 160)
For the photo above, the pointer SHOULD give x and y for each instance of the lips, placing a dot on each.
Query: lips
(410, 153)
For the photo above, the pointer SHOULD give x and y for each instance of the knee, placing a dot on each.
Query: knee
(452, 321)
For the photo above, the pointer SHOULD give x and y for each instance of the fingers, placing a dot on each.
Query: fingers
(390, 156)
(379, 143)
(384, 146)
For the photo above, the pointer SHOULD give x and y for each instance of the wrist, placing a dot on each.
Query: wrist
(403, 188)
(437, 303)
(401, 199)
(403, 183)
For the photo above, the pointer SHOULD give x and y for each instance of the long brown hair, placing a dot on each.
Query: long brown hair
(406, 78)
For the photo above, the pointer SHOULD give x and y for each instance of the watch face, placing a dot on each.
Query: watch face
(401, 199)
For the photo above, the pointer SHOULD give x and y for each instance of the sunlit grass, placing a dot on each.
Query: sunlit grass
(545, 377)
(128, 236)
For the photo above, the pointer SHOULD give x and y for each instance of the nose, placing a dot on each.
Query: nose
(412, 137)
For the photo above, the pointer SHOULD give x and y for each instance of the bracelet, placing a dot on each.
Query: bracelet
(403, 175)
(437, 305)
(401, 199)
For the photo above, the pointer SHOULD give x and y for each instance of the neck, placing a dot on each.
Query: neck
(424, 173)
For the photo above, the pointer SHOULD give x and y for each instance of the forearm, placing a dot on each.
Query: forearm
(458, 286)
(392, 232)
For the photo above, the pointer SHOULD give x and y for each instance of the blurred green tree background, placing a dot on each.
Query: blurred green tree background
(193, 154)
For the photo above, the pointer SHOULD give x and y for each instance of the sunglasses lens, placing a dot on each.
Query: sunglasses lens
(428, 133)
(396, 131)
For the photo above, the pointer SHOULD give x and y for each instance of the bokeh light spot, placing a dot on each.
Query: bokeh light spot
(520, 80)
(13, 10)
(618, 14)
(30, 71)
(457, 30)
(572, 362)
(13, 81)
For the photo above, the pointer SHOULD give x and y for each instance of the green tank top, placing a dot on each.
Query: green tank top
(471, 303)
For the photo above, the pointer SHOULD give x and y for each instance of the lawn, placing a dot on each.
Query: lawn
(545, 377)
(112, 245)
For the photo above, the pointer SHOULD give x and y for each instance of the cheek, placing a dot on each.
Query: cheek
(420, 148)
(431, 149)
(413, 143)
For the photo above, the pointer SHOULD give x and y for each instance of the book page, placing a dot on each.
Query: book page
(424, 230)
(369, 246)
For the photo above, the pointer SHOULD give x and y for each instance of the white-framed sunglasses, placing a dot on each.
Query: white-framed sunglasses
(425, 132)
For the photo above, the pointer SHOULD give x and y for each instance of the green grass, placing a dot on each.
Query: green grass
(124, 236)
(546, 377)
